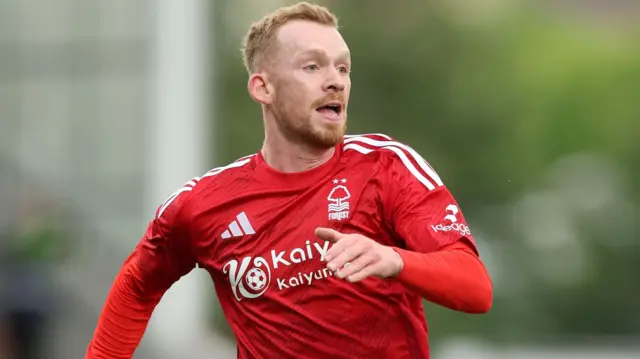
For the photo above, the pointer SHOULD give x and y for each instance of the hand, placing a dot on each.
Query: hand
(356, 257)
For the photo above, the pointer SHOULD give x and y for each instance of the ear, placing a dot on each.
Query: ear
(260, 89)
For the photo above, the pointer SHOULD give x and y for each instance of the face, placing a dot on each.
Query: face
(309, 77)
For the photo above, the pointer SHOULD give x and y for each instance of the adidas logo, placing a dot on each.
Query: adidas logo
(238, 228)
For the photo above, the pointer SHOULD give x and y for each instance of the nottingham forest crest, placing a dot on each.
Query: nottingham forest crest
(339, 200)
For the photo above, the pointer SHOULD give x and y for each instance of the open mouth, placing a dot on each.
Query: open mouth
(332, 109)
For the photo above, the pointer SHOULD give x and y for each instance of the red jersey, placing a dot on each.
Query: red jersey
(252, 228)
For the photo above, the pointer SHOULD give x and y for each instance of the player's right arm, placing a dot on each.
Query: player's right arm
(162, 256)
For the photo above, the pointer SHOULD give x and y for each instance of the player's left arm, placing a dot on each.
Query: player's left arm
(438, 257)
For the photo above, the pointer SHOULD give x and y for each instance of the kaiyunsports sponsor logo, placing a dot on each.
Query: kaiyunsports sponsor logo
(251, 277)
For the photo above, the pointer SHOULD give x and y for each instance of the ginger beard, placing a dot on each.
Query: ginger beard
(302, 123)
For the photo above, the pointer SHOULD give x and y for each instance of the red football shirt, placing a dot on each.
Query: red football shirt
(252, 228)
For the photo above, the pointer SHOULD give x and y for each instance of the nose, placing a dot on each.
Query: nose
(335, 82)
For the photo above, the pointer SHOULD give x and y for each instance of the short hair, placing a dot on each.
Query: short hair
(257, 42)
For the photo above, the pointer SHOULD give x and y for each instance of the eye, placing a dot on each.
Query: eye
(311, 67)
(343, 69)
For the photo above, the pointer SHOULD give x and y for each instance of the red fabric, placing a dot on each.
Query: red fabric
(124, 318)
(453, 277)
(162, 256)
(252, 229)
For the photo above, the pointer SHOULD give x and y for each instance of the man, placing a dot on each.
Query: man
(321, 244)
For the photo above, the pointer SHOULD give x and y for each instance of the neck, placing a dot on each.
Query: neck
(286, 156)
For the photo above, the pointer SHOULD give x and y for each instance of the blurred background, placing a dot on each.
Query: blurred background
(529, 110)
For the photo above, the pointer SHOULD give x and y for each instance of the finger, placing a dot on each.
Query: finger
(328, 234)
(366, 272)
(347, 255)
(339, 247)
(355, 266)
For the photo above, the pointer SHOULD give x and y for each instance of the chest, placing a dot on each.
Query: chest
(264, 238)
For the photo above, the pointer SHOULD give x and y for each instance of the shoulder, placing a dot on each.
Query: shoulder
(221, 176)
(378, 145)
(371, 147)
(382, 147)
(394, 157)
(201, 186)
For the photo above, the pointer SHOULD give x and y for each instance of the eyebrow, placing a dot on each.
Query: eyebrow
(344, 55)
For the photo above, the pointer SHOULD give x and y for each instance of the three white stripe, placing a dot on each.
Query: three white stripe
(186, 188)
(189, 185)
(236, 230)
(399, 149)
(238, 163)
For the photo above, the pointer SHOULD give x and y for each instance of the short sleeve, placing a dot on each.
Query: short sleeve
(164, 252)
(420, 209)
